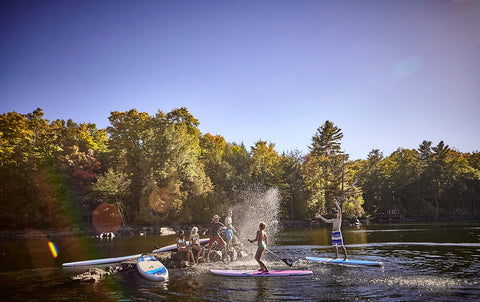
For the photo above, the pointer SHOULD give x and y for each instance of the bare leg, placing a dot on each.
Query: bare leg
(208, 252)
(258, 256)
(224, 248)
(344, 252)
(336, 251)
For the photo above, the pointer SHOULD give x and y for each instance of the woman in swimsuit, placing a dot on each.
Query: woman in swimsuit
(195, 244)
(183, 248)
(261, 240)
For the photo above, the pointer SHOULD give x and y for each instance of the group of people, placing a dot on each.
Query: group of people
(216, 226)
(337, 240)
(214, 229)
(192, 245)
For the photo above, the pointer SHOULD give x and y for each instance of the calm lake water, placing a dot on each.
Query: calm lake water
(439, 262)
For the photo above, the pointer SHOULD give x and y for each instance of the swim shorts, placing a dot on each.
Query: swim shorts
(229, 233)
(337, 238)
(216, 239)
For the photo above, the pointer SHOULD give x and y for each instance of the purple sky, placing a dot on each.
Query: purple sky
(390, 74)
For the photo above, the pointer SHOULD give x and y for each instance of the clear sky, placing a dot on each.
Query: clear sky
(390, 74)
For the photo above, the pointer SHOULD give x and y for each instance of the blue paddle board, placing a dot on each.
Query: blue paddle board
(151, 269)
(345, 262)
(249, 273)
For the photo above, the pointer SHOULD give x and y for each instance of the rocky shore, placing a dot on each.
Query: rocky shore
(171, 260)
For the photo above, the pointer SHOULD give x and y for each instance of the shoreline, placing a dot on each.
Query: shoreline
(48, 233)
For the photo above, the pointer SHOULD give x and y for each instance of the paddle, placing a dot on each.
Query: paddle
(287, 261)
(344, 192)
(349, 188)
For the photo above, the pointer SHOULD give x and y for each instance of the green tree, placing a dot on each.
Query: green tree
(372, 180)
(401, 170)
(291, 186)
(129, 132)
(111, 187)
(265, 164)
(323, 167)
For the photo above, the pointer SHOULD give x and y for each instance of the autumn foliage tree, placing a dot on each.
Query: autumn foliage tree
(160, 168)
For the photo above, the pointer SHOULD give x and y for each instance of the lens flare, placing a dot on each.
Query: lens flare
(407, 66)
(106, 218)
(53, 249)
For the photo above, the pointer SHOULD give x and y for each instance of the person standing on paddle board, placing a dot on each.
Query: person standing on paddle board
(336, 225)
(262, 242)
(214, 228)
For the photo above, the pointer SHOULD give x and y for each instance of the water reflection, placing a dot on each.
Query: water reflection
(422, 262)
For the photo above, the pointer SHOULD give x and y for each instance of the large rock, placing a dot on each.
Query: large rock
(91, 276)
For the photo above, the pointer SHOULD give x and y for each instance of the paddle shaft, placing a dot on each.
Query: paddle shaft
(344, 192)
(287, 261)
(349, 188)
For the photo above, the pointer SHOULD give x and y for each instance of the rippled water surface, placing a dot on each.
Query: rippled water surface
(439, 262)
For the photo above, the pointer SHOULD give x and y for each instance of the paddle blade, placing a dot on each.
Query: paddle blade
(288, 262)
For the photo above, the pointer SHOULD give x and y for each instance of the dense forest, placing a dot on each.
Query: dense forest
(161, 168)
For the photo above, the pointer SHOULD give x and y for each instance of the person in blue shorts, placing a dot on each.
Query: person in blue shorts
(336, 232)
(229, 230)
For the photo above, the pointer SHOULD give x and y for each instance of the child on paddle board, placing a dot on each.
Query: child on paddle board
(214, 228)
(195, 244)
(183, 248)
(230, 229)
(336, 225)
(262, 242)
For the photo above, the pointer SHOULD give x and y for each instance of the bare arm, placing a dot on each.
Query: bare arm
(256, 237)
(323, 218)
(335, 202)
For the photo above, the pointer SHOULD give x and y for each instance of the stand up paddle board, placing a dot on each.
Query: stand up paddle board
(271, 273)
(100, 261)
(172, 247)
(345, 262)
(151, 269)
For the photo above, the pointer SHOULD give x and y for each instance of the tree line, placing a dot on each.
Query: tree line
(161, 168)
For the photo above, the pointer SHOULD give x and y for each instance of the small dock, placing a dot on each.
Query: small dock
(389, 215)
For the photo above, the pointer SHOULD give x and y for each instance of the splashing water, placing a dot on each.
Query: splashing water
(255, 205)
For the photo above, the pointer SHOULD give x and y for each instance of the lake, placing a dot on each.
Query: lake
(435, 261)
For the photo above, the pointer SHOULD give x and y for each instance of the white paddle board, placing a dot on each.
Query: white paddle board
(345, 262)
(151, 269)
(172, 247)
(100, 261)
(249, 273)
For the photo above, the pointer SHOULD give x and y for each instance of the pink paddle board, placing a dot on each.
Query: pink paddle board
(249, 273)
